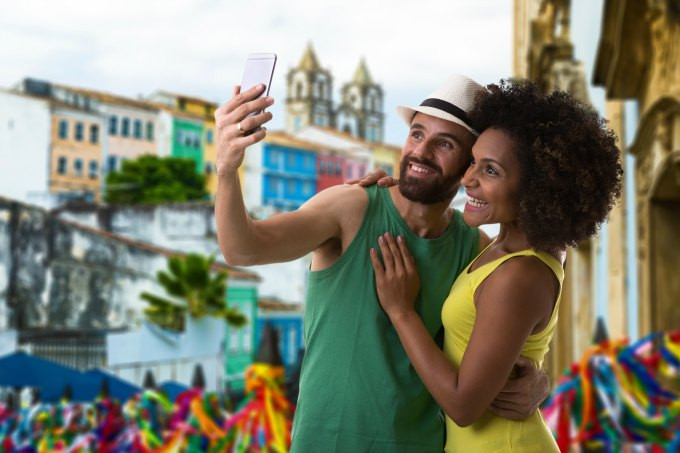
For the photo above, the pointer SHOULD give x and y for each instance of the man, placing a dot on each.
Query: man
(358, 391)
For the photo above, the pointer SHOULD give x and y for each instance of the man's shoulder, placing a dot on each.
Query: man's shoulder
(343, 196)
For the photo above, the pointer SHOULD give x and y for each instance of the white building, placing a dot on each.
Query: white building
(25, 130)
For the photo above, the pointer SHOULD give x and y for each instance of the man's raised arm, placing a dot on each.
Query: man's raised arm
(282, 237)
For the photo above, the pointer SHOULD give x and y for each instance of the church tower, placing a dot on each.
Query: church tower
(309, 98)
(361, 107)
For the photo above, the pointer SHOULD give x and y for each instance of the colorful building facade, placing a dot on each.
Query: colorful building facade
(240, 343)
(76, 153)
(280, 173)
(189, 112)
(286, 319)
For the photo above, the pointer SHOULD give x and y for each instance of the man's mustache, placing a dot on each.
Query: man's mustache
(425, 163)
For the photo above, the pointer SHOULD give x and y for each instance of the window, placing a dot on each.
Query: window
(290, 187)
(321, 120)
(111, 163)
(78, 167)
(338, 169)
(63, 129)
(197, 140)
(322, 167)
(208, 168)
(61, 165)
(309, 162)
(182, 104)
(188, 138)
(209, 136)
(149, 131)
(247, 337)
(113, 125)
(234, 338)
(307, 189)
(125, 127)
(298, 90)
(297, 123)
(290, 160)
(179, 137)
(94, 169)
(94, 134)
(272, 158)
(79, 131)
(138, 129)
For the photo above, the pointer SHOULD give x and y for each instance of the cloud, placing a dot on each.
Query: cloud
(199, 47)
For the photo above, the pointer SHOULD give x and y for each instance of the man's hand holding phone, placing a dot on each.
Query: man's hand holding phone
(232, 122)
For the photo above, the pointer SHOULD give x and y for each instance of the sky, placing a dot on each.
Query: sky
(199, 47)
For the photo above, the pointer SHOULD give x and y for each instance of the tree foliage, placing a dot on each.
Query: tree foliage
(151, 179)
(191, 287)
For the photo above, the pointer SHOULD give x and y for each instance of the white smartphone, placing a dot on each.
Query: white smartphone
(259, 69)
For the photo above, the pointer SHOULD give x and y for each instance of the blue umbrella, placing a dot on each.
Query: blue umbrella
(172, 389)
(19, 369)
(118, 388)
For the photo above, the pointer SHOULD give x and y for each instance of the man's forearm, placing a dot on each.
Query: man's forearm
(234, 226)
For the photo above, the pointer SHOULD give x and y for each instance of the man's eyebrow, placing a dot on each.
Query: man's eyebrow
(452, 137)
(440, 134)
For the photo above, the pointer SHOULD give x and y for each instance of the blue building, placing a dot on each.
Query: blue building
(280, 173)
(289, 177)
(286, 319)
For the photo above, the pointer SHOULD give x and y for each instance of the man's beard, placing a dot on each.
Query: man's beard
(426, 192)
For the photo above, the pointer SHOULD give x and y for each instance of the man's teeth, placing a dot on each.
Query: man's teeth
(419, 169)
(476, 203)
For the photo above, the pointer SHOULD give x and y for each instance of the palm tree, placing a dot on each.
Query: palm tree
(192, 287)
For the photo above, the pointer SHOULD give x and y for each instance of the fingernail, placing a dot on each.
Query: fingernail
(400, 239)
(388, 236)
(380, 239)
(260, 86)
(269, 100)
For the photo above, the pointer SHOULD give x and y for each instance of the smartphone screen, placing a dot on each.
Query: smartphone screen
(259, 69)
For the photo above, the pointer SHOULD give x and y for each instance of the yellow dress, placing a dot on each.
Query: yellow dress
(491, 433)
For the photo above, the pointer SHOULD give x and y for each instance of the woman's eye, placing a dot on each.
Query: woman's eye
(491, 171)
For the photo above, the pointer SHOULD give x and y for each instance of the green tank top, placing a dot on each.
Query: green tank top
(358, 390)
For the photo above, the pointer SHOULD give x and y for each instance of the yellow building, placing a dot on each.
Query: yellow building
(387, 157)
(205, 110)
(75, 153)
(638, 59)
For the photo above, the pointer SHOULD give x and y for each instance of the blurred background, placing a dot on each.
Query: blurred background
(107, 160)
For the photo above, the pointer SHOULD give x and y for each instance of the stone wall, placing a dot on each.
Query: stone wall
(59, 274)
(188, 227)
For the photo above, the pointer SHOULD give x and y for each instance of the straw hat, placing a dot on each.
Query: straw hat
(451, 102)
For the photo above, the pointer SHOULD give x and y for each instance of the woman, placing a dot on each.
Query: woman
(548, 171)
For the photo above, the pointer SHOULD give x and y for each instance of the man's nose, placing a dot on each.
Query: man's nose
(422, 150)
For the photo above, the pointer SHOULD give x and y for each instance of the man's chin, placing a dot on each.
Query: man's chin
(424, 195)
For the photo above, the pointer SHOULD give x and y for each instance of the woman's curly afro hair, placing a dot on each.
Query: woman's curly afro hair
(570, 166)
